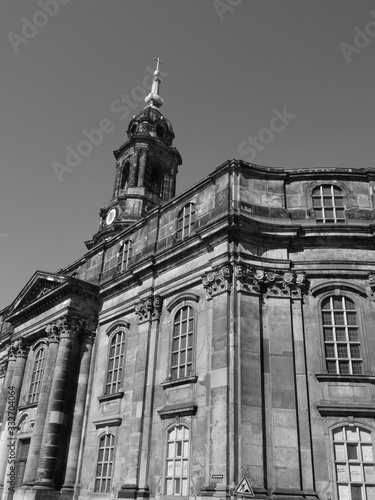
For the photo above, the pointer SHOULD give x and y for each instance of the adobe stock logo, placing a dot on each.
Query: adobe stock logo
(40, 18)
(361, 39)
(223, 6)
(266, 135)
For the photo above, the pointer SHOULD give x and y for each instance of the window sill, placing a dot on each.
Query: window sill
(109, 397)
(27, 405)
(341, 410)
(335, 377)
(191, 379)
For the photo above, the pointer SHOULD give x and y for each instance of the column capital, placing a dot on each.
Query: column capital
(3, 368)
(11, 352)
(21, 349)
(272, 283)
(67, 326)
(218, 280)
(149, 309)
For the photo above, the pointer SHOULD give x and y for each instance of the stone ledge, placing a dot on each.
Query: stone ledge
(182, 410)
(327, 410)
(107, 422)
(191, 379)
(109, 397)
(333, 377)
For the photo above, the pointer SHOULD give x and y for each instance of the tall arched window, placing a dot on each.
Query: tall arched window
(115, 363)
(328, 202)
(125, 175)
(104, 464)
(182, 343)
(341, 335)
(185, 221)
(36, 377)
(177, 473)
(354, 463)
(124, 255)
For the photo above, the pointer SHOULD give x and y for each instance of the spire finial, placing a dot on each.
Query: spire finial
(153, 98)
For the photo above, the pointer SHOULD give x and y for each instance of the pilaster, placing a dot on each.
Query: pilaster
(148, 311)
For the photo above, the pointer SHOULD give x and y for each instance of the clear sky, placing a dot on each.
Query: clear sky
(229, 68)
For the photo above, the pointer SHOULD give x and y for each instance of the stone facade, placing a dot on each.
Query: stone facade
(224, 332)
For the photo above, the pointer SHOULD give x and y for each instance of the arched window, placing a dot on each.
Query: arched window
(124, 255)
(36, 377)
(104, 464)
(177, 470)
(341, 335)
(185, 221)
(125, 175)
(354, 463)
(328, 202)
(182, 343)
(115, 363)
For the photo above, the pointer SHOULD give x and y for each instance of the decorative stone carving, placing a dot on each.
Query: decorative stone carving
(370, 289)
(25, 426)
(149, 309)
(218, 280)
(11, 351)
(3, 368)
(270, 283)
(66, 326)
(89, 331)
(21, 349)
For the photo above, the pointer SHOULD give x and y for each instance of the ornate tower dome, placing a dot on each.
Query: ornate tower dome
(146, 168)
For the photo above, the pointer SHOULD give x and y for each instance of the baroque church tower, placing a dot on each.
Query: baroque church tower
(146, 168)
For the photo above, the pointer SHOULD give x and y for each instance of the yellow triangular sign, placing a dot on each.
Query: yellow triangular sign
(244, 488)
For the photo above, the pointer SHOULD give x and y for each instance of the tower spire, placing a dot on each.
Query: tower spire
(153, 99)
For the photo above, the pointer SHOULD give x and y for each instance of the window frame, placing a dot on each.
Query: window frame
(113, 332)
(183, 233)
(33, 397)
(104, 435)
(122, 264)
(347, 425)
(335, 342)
(168, 430)
(179, 307)
(326, 290)
(21, 459)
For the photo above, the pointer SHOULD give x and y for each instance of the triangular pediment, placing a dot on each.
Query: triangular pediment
(41, 284)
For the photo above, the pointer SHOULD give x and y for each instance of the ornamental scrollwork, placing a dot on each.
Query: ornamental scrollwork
(149, 309)
(270, 283)
(218, 280)
(65, 327)
(3, 368)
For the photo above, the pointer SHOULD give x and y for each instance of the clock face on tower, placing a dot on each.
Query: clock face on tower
(110, 216)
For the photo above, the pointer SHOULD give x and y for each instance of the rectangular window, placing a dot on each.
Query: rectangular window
(341, 336)
(354, 463)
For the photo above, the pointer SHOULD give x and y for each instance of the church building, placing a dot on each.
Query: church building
(214, 344)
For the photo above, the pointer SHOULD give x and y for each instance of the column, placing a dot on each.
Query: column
(218, 286)
(21, 351)
(79, 408)
(11, 362)
(133, 174)
(135, 475)
(144, 459)
(69, 328)
(41, 412)
(303, 414)
(251, 411)
(142, 167)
